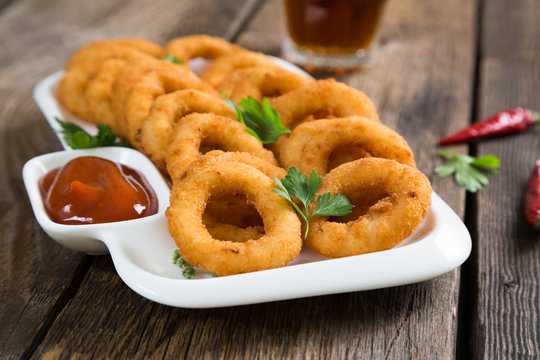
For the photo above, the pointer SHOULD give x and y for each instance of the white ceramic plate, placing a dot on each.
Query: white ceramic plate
(142, 249)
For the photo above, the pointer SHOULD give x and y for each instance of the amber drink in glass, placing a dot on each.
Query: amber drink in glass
(330, 34)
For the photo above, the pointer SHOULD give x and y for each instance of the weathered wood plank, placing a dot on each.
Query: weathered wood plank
(422, 85)
(507, 309)
(106, 319)
(37, 276)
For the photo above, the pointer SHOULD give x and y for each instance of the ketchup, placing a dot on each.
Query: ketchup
(92, 190)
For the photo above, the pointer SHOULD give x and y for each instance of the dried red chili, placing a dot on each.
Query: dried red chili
(532, 198)
(504, 122)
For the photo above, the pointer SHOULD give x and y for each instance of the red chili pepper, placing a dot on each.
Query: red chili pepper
(504, 122)
(532, 198)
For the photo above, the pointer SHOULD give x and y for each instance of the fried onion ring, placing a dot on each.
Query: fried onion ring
(155, 83)
(166, 111)
(311, 144)
(322, 99)
(72, 87)
(130, 75)
(260, 81)
(220, 68)
(195, 131)
(99, 94)
(391, 200)
(96, 52)
(208, 47)
(233, 217)
(280, 244)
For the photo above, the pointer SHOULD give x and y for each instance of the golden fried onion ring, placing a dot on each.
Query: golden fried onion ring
(208, 47)
(233, 217)
(280, 244)
(99, 94)
(322, 99)
(259, 82)
(220, 68)
(166, 111)
(216, 132)
(98, 51)
(391, 200)
(311, 144)
(153, 84)
(72, 87)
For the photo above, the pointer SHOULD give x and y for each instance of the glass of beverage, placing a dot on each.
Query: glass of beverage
(330, 35)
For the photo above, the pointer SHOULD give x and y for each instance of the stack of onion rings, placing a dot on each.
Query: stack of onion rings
(224, 216)
(150, 86)
(82, 67)
(165, 112)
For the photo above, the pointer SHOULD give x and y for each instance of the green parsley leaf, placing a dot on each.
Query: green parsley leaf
(261, 121)
(171, 58)
(468, 171)
(328, 205)
(303, 188)
(77, 138)
(187, 269)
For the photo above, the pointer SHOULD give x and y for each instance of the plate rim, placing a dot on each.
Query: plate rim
(449, 236)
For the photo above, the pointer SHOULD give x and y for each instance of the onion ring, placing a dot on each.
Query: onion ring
(72, 87)
(231, 217)
(129, 76)
(150, 86)
(166, 111)
(311, 144)
(99, 94)
(195, 130)
(95, 52)
(220, 68)
(208, 47)
(259, 82)
(391, 200)
(280, 244)
(322, 99)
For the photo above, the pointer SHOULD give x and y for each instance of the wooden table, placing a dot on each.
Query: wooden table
(440, 65)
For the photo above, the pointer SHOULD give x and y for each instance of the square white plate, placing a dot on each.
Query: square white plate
(142, 249)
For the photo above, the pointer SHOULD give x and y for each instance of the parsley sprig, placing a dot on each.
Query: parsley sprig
(298, 185)
(468, 171)
(77, 138)
(171, 58)
(262, 121)
(187, 269)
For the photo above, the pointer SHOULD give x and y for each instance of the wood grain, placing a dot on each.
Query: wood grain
(507, 279)
(37, 276)
(55, 303)
(422, 83)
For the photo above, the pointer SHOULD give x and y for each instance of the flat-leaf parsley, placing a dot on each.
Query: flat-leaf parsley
(77, 138)
(468, 171)
(262, 121)
(298, 185)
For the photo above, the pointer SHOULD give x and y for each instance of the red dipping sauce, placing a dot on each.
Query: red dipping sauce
(92, 190)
